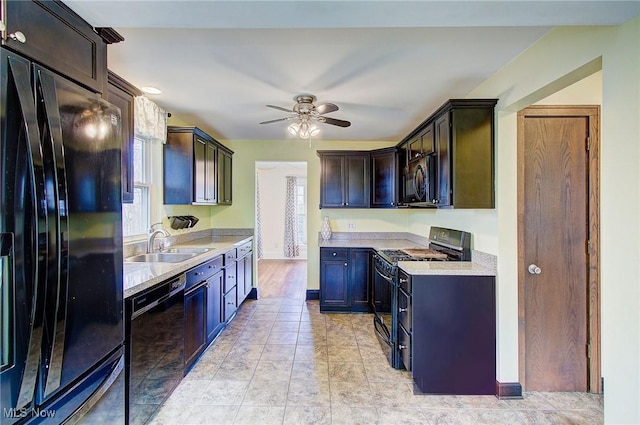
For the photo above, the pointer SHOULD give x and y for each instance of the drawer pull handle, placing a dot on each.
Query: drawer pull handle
(402, 347)
(403, 280)
(402, 310)
(334, 254)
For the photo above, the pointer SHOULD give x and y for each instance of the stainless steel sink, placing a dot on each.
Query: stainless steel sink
(188, 250)
(161, 257)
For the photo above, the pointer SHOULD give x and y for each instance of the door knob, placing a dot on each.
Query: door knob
(18, 36)
(533, 269)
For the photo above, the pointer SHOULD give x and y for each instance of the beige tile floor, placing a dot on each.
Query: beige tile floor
(282, 362)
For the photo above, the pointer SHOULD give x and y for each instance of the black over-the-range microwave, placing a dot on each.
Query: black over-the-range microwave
(420, 181)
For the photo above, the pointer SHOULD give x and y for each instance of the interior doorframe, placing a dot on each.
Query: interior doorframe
(593, 256)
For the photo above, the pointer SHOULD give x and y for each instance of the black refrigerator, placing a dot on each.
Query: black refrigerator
(61, 241)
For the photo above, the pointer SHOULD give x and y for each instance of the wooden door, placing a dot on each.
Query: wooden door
(558, 300)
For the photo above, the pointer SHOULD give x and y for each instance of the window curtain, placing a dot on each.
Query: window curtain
(259, 250)
(150, 121)
(291, 247)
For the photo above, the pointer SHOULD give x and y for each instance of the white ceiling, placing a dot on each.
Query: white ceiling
(386, 64)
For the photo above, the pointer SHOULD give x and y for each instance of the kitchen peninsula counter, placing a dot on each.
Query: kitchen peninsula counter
(140, 276)
(481, 264)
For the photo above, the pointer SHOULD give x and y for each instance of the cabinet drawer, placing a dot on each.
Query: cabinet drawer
(245, 249)
(230, 277)
(404, 282)
(335, 254)
(230, 305)
(404, 310)
(230, 256)
(203, 271)
(404, 346)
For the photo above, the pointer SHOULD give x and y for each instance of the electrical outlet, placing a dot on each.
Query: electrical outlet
(351, 226)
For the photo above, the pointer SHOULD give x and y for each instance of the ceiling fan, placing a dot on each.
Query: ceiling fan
(306, 115)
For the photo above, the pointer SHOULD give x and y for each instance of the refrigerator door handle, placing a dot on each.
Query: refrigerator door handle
(7, 301)
(55, 175)
(30, 281)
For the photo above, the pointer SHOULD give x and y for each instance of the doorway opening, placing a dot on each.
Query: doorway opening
(281, 228)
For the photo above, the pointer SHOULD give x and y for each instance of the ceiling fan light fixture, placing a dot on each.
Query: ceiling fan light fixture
(293, 128)
(306, 116)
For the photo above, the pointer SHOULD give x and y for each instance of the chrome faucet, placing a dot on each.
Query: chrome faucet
(153, 233)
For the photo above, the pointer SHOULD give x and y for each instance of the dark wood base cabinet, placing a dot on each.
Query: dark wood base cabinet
(345, 279)
(453, 344)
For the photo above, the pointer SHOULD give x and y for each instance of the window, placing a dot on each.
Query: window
(135, 216)
(301, 210)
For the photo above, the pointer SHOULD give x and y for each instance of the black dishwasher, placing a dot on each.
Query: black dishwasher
(155, 347)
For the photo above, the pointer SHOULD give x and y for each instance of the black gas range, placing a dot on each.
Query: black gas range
(444, 245)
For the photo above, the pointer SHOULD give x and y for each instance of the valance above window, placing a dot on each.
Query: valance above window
(150, 122)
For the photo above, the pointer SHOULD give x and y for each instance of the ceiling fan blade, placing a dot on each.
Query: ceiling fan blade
(279, 119)
(280, 108)
(333, 121)
(325, 108)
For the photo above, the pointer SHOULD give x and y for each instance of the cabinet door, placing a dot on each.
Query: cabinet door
(334, 285)
(357, 181)
(121, 94)
(211, 183)
(360, 279)
(240, 291)
(224, 177)
(428, 140)
(443, 162)
(200, 170)
(194, 324)
(332, 181)
(59, 39)
(414, 148)
(384, 179)
(214, 306)
(248, 274)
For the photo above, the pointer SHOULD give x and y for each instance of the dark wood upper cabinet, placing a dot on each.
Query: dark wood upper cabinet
(461, 136)
(344, 179)
(191, 167)
(50, 33)
(121, 94)
(384, 178)
(464, 135)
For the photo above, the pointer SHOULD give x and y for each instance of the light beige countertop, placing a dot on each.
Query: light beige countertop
(445, 268)
(377, 244)
(140, 276)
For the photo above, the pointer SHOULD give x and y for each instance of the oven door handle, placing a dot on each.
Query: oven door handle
(384, 335)
(388, 279)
